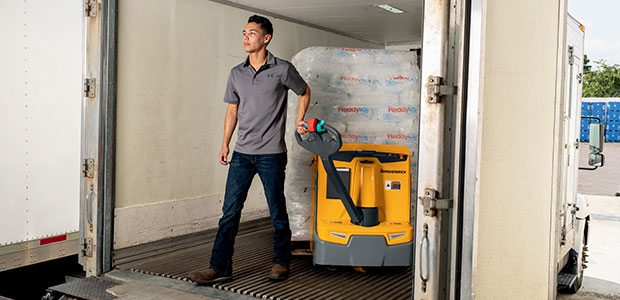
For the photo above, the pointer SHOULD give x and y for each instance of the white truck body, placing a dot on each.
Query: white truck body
(154, 74)
(40, 123)
(573, 211)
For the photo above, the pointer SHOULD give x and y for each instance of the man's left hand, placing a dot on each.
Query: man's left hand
(302, 127)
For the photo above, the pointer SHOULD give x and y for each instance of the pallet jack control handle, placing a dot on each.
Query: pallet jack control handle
(324, 140)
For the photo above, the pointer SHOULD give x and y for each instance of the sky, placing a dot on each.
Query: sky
(602, 21)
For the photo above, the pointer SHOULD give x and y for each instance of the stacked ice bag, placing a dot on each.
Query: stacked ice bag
(370, 96)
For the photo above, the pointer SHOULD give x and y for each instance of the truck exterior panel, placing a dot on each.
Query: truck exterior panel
(40, 136)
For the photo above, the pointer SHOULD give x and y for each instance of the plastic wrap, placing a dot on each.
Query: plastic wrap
(370, 96)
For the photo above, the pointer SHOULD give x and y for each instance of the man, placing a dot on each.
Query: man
(257, 99)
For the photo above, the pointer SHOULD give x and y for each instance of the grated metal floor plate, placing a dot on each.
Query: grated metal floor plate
(87, 288)
(252, 262)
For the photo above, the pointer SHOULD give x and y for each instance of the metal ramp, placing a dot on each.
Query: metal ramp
(178, 257)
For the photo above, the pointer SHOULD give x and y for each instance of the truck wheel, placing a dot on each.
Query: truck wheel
(331, 268)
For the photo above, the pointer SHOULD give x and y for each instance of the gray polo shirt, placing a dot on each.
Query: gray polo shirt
(262, 99)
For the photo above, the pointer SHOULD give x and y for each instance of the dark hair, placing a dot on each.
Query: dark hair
(264, 23)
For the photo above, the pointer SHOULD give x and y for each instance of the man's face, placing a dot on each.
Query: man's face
(254, 37)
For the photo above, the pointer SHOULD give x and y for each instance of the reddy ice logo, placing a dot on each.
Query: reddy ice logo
(353, 137)
(401, 137)
(398, 79)
(354, 110)
(358, 80)
(396, 113)
(350, 78)
(402, 109)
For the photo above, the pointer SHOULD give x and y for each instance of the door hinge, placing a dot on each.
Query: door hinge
(90, 87)
(88, 168)
(436, 88)
(571, 55)
(564, 233)
(87, 247)
(90, 8)
(432, 204)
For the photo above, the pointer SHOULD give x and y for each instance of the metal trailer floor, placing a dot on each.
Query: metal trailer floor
(175, 258)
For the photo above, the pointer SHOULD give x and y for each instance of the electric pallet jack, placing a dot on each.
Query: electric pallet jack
(362, 201)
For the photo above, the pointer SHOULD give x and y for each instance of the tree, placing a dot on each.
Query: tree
(601, 80)
(587, 67)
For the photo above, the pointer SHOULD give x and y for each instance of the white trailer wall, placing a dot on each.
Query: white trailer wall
(513, 230)
(173, 62)
(40, 86)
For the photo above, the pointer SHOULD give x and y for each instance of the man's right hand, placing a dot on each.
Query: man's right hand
(224, 155)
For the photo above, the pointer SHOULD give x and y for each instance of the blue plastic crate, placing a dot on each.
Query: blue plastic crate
(613, 116)
(599, 115)
(585, 108)
(613, 106)
(612, 136)
(598, 105)
(613, 121)
(615, 126)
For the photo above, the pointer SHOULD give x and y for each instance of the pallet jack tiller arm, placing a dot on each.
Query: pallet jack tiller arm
(324, 140)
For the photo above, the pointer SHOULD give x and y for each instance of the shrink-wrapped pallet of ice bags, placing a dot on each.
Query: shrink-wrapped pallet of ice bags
(371, 97)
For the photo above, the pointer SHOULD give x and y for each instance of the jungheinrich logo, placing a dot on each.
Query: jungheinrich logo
(393, 171)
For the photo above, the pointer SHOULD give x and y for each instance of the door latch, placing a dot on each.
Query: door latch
(431, 204)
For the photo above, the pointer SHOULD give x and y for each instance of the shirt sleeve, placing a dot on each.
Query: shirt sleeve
(293, 80)
(231, 96)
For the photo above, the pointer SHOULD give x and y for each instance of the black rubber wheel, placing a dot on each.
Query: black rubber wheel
(331, 268)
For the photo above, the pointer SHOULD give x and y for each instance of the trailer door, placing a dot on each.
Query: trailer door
(440, 159)
(98, 121)
(571, 117)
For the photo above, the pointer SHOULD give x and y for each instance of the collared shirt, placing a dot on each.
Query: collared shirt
(261, 96)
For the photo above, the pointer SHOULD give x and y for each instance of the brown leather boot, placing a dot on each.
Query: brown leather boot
(279, 272)
(208, 277)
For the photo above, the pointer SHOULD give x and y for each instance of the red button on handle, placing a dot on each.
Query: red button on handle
(312, 122)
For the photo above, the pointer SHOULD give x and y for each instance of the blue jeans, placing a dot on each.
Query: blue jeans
(243, 167)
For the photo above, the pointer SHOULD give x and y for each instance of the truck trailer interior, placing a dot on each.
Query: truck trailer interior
(164, 66)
